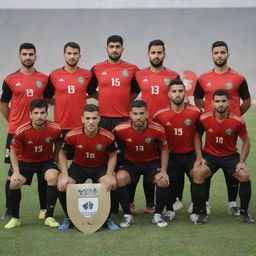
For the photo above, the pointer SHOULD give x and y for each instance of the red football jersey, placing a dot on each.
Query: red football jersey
(91, 151)
(21, 89)
(35, 146)
(115, 83)
(154, 88)
(141, 146)
(231, 80)
(179, 127)
(221, 137)
(70, 96)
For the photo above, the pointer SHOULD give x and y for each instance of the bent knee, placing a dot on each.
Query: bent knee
(51, 177)
(122, 178)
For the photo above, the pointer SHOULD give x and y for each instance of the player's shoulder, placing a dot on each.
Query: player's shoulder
(74, 132)
(57, 71)
(53, 125)
(12, 75)
(207, 115)
(235, 73)
(22, 128)
(193, 108)
(169, 71)
(206, 74)
(40, 74)
(236, 117)
(83, 71)
(106, 133)
(129, 65)
(123, 126)
(161, 111)
(155, 126)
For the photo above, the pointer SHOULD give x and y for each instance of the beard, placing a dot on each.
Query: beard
(72, 64)
(178, 102)
(221, 64)
(158, 64)
(30, 65)
(115, 57)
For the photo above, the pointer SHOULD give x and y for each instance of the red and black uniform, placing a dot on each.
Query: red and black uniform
(231, 81)
(220, 148)
(141, 146)
(221, 137)
(70, 96)
(35, 148)
(154, 88)
(91, 153)
(180, 131)
(115, 83)
(20, 89)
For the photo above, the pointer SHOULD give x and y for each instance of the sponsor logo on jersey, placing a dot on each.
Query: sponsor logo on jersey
(29, 142)
(80, 146)
(48, 139)
(129, 140)
(104, 73)
(229, 85)
(209, 84)
(80, 80)
(145, 80)
(167, 81)
(148, 140)
(61, 80)
(39, 84)
(188, 122)
(125, 73)
(168, 124)
(99, 147)
(229, 131)
(210, 130)
(18, 84)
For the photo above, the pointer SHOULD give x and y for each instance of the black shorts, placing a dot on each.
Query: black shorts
(109, 123)
(80, 173)
(179, 164)
(148, 170)
(7, 148)
(226, 163)
(27, 170)
(71, 150)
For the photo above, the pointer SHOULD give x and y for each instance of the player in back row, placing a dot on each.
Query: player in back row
(19, 89)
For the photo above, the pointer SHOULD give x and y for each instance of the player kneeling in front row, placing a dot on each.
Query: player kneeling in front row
(142, 140)
(222, 129)
(32, 152)
(94, 158)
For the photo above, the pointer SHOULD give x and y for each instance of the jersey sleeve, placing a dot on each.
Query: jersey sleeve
(198, 92)
(243, 90)
(242, 132)
(199, 127)
(135, 86)
(111, 149)
(49, 89)
(6, 95)
(162, 141)
(16, 142)
(92, 87)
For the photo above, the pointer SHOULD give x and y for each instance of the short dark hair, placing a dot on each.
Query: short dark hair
(219, 43)
(156, 43)
(114, 39)
(138, 104)
(220, 92)
(91, 108)
(72, 45)
(27, 46)
(38, 103)
(176, 81)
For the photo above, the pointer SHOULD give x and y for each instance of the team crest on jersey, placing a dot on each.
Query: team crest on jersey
(125, 73)
(80, 80)
(99, 147)
(188, 122)
(167, 81)
(48, 139)
(229, 131)
(229, 85)
(39, 84)
(12, 141)
(148, 140)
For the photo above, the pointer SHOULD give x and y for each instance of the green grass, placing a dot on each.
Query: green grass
(222, 235)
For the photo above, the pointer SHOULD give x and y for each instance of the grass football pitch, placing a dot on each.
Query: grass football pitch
(223, 235)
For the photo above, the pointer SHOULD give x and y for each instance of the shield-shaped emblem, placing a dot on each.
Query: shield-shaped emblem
(88, 206)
